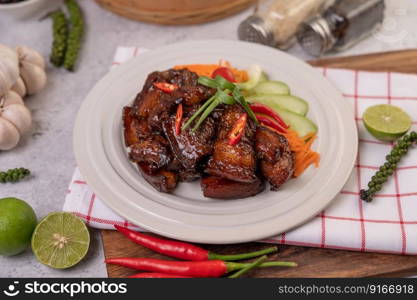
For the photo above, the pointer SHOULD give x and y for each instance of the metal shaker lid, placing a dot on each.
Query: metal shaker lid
(254, 29)
(315, 36)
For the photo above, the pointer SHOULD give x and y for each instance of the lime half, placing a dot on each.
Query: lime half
(386, 122)
(60, 240)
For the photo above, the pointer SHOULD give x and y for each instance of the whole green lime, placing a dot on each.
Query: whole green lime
(17, 222)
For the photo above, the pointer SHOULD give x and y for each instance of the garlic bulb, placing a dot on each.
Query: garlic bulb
(15, 120)
(9, 136)
(9, 52)
(19, 116)
(30, 55)
(11, 98)
(19, 87)
(33, 76)
(9, 68)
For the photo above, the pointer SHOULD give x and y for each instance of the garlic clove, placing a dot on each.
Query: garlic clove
(4, 84)
(19, 116)
(9, 135)
(11, 98)
(9, 71)
(33, 76)
(31, 56)
(19, 87)
(9, 52)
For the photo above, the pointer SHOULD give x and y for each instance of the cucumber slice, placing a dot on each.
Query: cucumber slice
(288, 102)
(300, 124)
(255, 76)
(263, 77)
(271, 87)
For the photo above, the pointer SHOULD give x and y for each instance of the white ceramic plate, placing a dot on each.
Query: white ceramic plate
(186, 214)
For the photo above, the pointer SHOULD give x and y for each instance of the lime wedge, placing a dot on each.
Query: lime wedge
(386, 122)
(60, 240)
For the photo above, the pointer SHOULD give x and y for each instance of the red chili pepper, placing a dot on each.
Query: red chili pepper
(183, 250)
(156, 275)
(263, 109)
(166, 87)
(224, 72)
(208, 268)
(178, 119)
(268, 122)
(238, 129)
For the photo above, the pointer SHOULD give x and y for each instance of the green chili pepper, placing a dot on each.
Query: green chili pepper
(60, 35)
(75, 35)
(14, 175)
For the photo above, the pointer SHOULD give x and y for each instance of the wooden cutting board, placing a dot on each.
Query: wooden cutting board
(313, 262)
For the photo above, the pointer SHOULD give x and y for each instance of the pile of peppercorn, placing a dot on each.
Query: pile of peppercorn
(14, 175)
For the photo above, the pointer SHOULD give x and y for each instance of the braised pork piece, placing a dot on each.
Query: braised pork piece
(166, 156)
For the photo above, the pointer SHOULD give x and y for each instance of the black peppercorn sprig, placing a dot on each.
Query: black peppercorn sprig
(14, 175)
(388, 168)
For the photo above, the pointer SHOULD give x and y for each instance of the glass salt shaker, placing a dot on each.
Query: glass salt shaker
(341, 26)
(275, 22)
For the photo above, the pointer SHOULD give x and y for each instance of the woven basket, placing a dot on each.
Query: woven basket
(175, 12)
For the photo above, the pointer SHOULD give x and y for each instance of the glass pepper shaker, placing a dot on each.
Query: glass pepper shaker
(275, 22)
(341, 26)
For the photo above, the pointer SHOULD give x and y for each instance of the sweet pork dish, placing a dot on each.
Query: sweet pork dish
(231, 152)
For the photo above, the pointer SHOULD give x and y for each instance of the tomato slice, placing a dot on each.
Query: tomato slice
(224, 72)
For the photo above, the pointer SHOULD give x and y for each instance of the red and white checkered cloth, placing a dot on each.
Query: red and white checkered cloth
(388, 224)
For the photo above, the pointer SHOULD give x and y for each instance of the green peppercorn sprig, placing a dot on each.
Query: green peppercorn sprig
(389, 167)
(75, 35)
(60, 36)
(67, 35)
(14, 175)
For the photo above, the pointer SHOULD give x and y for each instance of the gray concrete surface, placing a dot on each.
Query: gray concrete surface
(47, 151)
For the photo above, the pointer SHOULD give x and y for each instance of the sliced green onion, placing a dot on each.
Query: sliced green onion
(206, 113)
(224, 83)
(198, 112)
(242, 101)
(207, 81)
(224, 89)
(225, 98)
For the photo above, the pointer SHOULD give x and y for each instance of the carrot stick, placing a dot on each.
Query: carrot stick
(304, 155)
(208, 69)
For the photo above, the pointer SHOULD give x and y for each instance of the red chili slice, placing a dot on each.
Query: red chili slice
(178, 119)
(166, 87)
(268, 122)
(224, 72)
(238, 129)
(263, 109)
